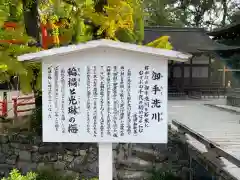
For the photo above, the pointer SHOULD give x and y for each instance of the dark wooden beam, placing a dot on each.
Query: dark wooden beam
(190, 65)
(209, 70)
(182, 76)
(171, 73)
(190, 71)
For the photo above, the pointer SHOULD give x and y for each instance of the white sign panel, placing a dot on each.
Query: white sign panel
(105, 103)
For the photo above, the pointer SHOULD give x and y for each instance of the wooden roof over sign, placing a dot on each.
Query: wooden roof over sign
(104, 43)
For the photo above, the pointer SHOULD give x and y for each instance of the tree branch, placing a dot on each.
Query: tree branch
(71, 2)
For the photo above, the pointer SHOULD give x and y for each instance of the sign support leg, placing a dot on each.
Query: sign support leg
(105, 161)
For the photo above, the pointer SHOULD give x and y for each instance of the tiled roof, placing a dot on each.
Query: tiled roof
(189, 40)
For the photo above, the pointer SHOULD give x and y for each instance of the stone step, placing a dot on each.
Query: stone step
(213, 97)
(5, 169)
(148, 154)
(235, 96)
(133, 175)
(134, 163)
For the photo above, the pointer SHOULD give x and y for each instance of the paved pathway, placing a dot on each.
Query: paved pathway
(195, 110)
(219, 126)
(226, 107)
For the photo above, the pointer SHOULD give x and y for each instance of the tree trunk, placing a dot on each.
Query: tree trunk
(13, 10)
(225, 8)
(31, 18)
(37, 124)
(37, 117)
(99, 8)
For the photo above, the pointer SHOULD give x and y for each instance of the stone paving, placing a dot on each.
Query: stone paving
(225, 107)
(196, 110)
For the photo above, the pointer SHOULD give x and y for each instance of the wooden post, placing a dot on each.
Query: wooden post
(224, 76)
(182, 76)
(209, 71)
(224, 70)
(44, 36)
(190, 71)
(190, 167)
(5, 105)
(105, 161)
(171, 73)
(15, 107)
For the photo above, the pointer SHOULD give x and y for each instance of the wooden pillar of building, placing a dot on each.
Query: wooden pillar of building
(190, 72)
(210, 71)
(171, 73)
(182, 77)
(224, 76)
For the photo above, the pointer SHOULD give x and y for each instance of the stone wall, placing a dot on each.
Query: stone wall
(131, 161)
(233, 97)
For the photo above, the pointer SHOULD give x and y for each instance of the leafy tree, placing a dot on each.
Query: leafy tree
(162, 12)
(121, 20)
(209, 14)
(231, 38)
(118, 20)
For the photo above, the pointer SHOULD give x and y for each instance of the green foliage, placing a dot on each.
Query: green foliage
(53, 175)
(14, 42)
(124, 35)
(162, 42)
(3, 12)
(121, 20)
(8, 57)
(162, 12)
(41, 175)
(16, 175)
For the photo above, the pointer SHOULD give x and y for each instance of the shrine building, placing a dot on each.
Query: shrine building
(200, 73)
